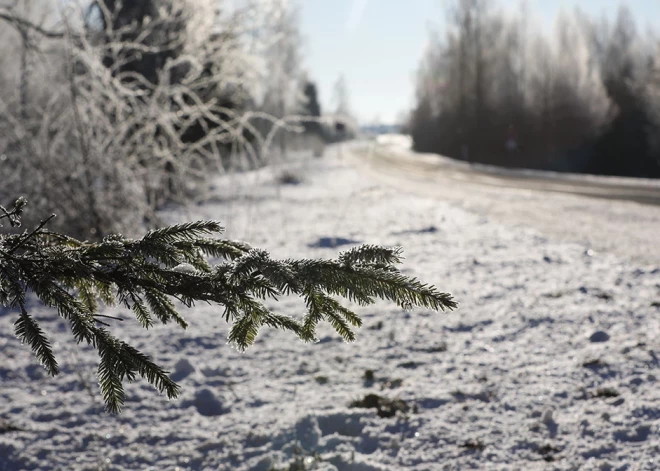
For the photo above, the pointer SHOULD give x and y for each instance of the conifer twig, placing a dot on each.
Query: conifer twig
(31, 234)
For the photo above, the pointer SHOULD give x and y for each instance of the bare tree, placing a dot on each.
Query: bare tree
(282, 82)
(140, 106)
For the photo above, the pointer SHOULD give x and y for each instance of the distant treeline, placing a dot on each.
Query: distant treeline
(584, 99)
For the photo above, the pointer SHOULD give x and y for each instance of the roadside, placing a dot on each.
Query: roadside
(623, 227)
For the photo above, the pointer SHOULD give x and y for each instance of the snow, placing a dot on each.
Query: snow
(511, 380)
(396, 141)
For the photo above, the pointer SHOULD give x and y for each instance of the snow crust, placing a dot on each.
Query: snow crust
(551, 361)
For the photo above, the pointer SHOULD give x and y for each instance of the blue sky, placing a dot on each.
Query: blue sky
(377, 44)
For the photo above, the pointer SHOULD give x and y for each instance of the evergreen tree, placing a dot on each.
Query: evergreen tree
(144, 275)
(312, 108)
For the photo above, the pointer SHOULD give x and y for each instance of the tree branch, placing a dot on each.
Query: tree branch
(22, 24)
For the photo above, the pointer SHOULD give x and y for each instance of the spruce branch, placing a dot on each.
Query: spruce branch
(147, 275)
(29, 331)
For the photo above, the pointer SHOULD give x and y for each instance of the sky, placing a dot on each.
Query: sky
(377, 45)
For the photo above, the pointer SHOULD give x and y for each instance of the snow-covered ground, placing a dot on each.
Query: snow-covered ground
(551, 361)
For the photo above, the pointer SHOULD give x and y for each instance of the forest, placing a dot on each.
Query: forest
(582, 97)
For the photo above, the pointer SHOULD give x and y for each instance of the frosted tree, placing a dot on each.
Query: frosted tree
(626, 61)
(346, 124)
(576, 70)
(283, 78)
(341, 97)
(139, 106)
(653, 102)
(493, 80)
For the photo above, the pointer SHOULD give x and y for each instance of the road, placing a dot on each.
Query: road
(620, 216)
